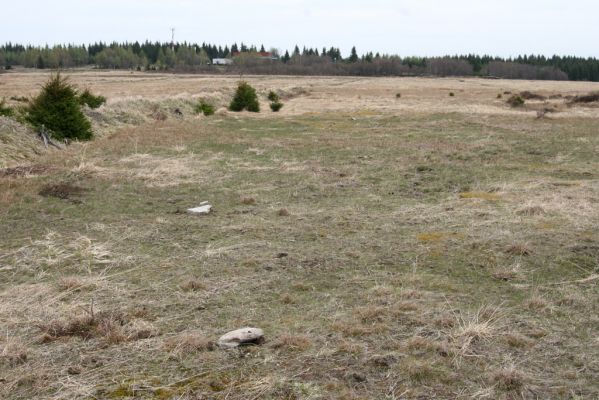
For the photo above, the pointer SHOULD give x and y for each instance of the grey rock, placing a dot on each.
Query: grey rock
(241, 337)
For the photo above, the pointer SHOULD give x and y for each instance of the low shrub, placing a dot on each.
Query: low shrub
(5, 110)
(276, 106)
(451, 94)
(91, 100)
(273, 97)
(398, 95)
(204, 108)
(516, 101)
(245, 99)
(57, 108)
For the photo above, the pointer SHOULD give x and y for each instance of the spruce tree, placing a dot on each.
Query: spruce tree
(245, 99)
(57, 108)
(354, 55)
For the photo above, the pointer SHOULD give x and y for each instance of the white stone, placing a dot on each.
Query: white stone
(204, 208)
(240, 337)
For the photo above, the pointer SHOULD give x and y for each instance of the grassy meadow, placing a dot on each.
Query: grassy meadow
(445, 247)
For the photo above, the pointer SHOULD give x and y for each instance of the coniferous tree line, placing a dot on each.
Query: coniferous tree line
(194, 57)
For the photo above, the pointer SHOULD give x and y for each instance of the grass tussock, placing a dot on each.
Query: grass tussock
(188, 343)
(518, 250)
(193, 285)
(292, 343)
(508, 379)
(248, 200)
(13, 352)
(470, 329)
(107, 325)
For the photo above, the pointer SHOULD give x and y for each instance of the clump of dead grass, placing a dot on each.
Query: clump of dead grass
(286, 298)
(248, 200)
(506, 274)
(106, 324)
(371, 313)
(70, 283)
(358, 329)
(187, 343)
(517, 340)
(12, 351)
(420, 371)
(292, 343)
(536, 302)
(508, 379)
(518, 250)
(139, 330)
(192, 285)
(475, 327)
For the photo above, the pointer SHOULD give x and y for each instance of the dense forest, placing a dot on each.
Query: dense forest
(191, 57)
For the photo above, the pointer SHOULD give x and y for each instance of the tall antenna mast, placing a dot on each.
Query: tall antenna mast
(173, 39)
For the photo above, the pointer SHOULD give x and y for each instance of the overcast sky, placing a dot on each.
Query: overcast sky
(404, 27)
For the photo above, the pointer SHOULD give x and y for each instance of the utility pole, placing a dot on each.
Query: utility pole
(173, 39)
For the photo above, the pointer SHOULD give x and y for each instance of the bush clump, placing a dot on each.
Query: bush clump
(245, 99)
(273, 96)
(451, 94)
(516, 101)
(5, 110)
(275, 101)
(89, 99)
(276, 106)
(57, 108)
(204, 108)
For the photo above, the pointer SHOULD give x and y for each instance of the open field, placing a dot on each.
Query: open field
(418, 247)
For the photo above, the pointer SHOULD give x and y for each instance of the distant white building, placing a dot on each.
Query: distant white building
(222, 61)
